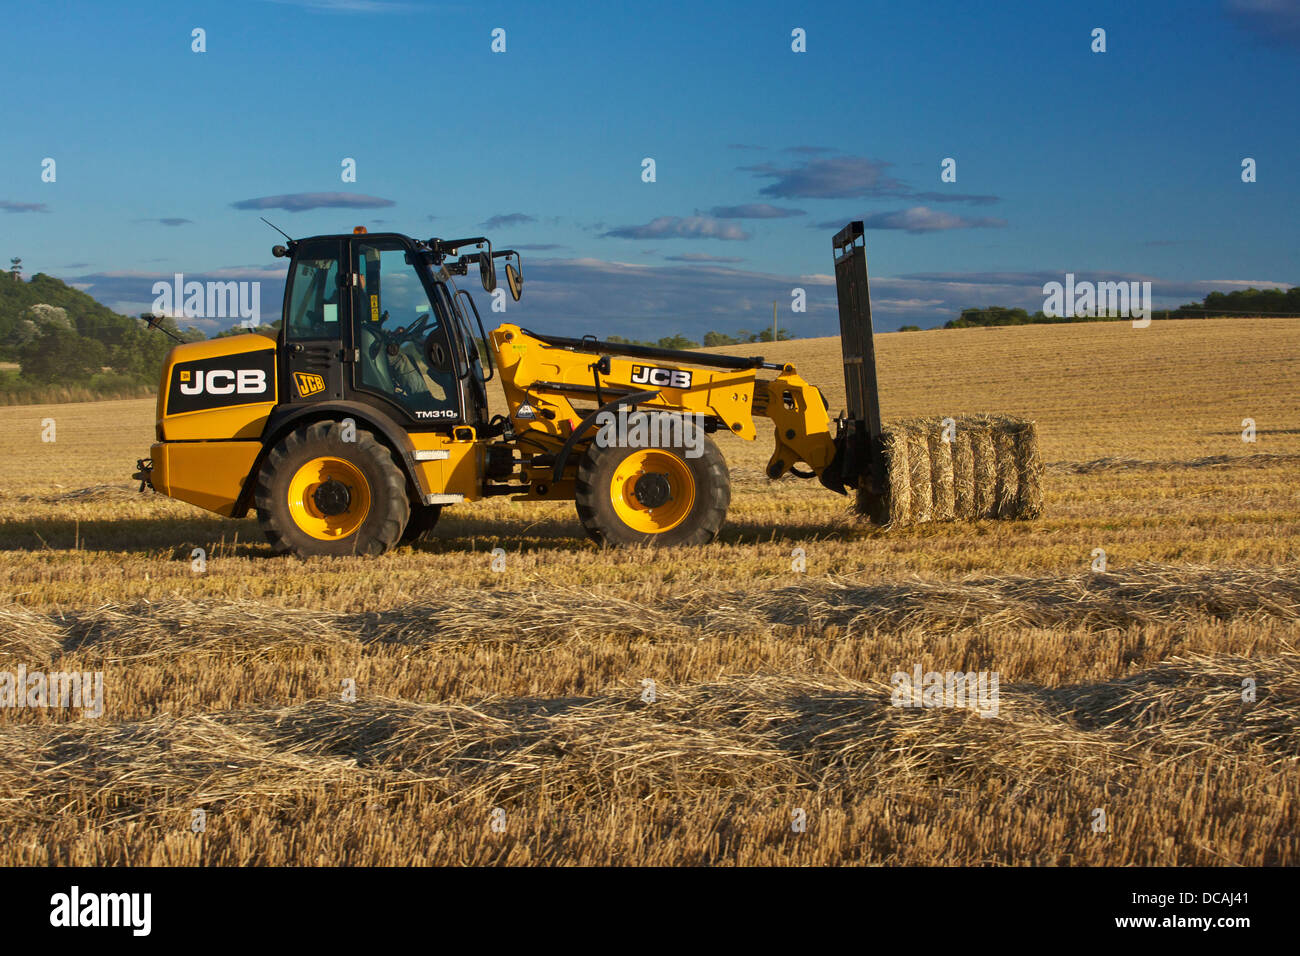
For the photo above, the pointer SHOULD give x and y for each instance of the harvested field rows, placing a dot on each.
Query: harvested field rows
(525, 690)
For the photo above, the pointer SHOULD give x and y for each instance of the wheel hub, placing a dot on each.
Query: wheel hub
(651, 490)
(332, 497)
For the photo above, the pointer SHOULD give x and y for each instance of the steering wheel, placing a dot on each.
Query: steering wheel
(392, 339)
(413, 332)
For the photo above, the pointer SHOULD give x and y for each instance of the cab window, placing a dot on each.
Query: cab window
(314, 293)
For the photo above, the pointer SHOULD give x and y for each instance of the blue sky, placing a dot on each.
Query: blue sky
(1118, 164)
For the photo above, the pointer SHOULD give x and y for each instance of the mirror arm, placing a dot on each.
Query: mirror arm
(449, 247)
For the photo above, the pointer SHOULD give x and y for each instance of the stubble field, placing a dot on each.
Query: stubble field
(499, 716)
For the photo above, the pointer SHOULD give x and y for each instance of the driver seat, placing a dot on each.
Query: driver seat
(374, 363)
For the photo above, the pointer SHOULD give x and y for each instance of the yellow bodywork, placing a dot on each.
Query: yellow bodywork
(245, 420)
(549, 379)
(460, 472)
(207, 456)
(209, 474)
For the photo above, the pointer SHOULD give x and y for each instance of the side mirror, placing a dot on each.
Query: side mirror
(487, 271)
(515, 280)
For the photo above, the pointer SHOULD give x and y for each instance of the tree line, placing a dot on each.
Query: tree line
(58, 335)
(711, 339)
(1241, 303)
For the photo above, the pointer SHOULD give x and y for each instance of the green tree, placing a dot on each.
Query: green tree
(714, 339)
(51, 352)
(992, 316)
(677, 342)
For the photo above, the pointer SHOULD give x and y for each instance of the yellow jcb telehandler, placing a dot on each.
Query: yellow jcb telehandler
(350, 431)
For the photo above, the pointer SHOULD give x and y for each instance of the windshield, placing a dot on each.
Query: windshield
(394, 321)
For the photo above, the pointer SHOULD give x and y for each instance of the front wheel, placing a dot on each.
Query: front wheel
(658, 496)
(319, 494)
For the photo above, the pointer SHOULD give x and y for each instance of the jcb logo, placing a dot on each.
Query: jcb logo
(661, 377)
(308, 383)
(224, 381)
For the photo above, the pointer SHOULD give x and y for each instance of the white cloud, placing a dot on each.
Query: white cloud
(680, 227)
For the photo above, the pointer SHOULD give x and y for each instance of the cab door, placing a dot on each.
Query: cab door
(315, 316)
(395, 328)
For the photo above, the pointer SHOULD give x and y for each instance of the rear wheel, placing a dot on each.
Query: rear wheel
(652, 496)
(318, 494)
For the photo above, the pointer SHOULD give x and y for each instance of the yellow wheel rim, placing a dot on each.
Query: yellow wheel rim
(667, 491)
(307, 493)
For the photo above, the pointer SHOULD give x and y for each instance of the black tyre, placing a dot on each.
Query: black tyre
(423, 520)
(318, 494)
(657, 496)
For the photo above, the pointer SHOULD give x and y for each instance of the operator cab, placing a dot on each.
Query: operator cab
(378, 319)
